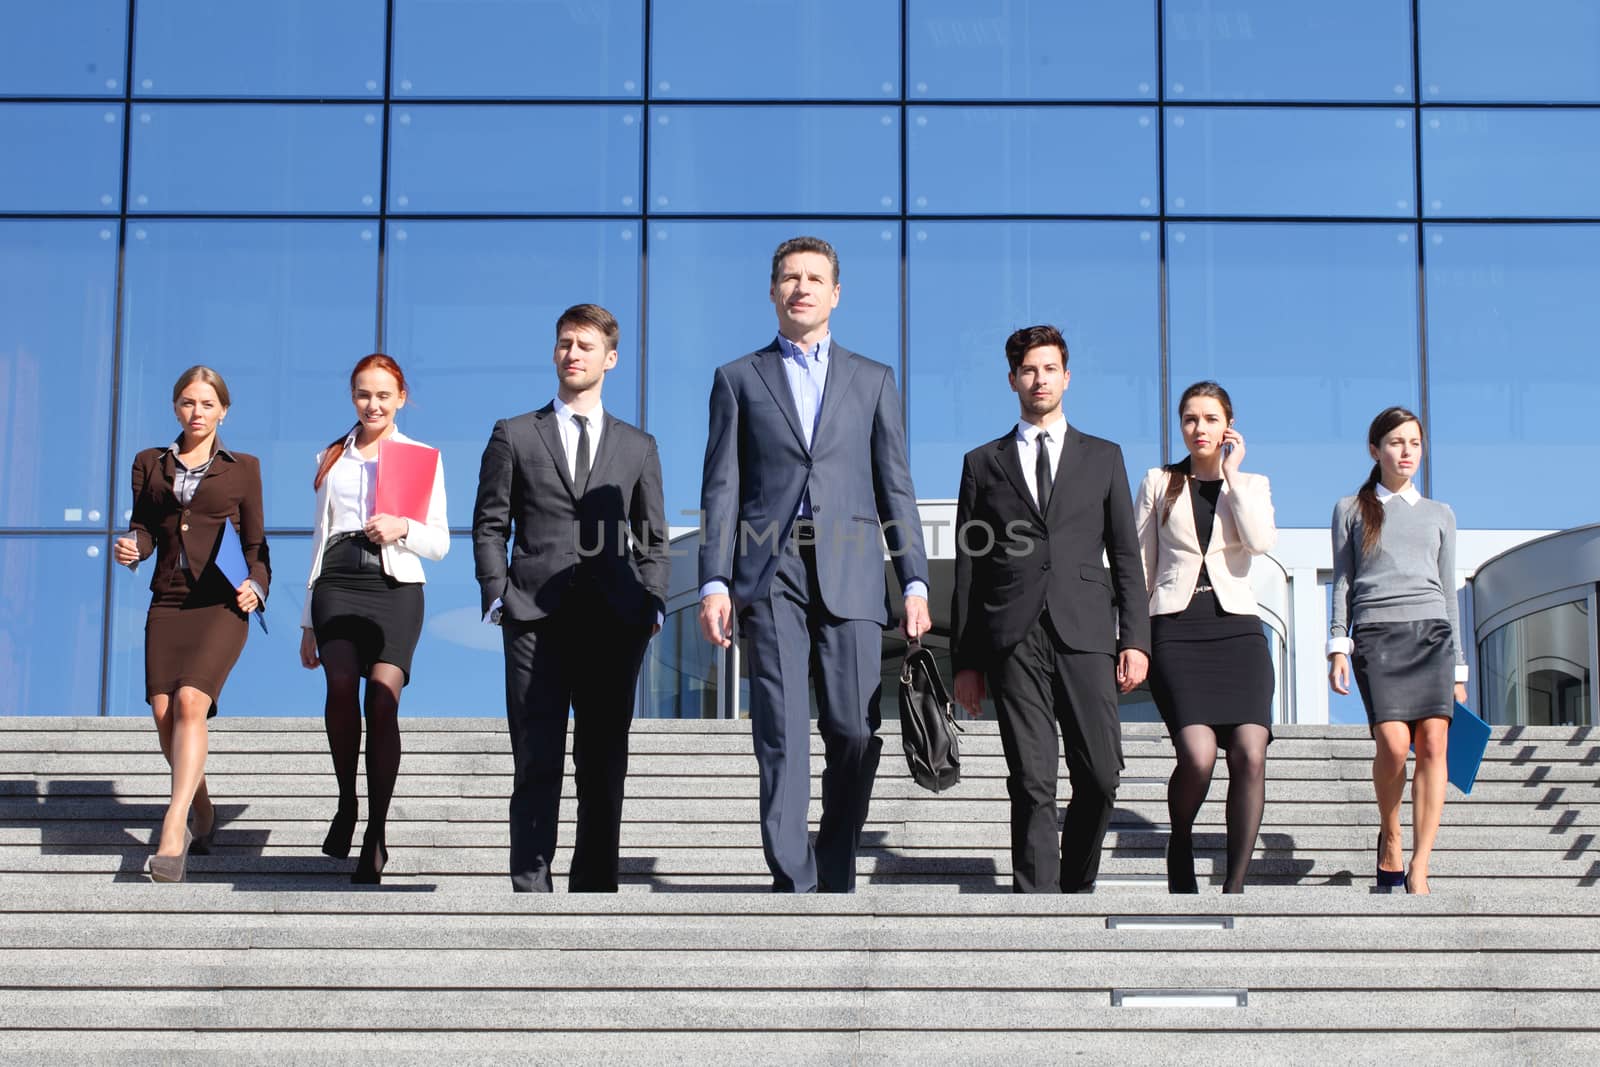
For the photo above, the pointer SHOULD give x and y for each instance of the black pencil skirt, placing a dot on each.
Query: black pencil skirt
(355, 601)
(1406, 671)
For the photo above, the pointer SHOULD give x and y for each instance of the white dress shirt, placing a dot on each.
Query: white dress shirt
(1027, 436)
(569, 433)
(351, 484)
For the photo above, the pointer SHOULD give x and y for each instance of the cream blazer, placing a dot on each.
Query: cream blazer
(1172, 554)
(402, 560)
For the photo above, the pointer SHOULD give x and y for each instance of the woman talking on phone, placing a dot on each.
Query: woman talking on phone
(1200, 521)
(363, 610)
(183, 494)
(1395, 621)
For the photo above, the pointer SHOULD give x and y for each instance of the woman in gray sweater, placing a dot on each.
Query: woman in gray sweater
(1395, 620)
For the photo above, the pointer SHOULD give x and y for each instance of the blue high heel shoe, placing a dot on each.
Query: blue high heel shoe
(1387, 879)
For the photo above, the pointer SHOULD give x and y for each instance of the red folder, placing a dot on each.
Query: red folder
(405, 479)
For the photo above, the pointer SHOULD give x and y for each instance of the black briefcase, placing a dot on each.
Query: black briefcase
(927, 722)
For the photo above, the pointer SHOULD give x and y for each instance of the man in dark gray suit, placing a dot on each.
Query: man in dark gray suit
(578, 494)
(805, 479)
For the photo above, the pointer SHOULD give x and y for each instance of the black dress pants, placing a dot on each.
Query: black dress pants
(586, 660)
(1038, 685)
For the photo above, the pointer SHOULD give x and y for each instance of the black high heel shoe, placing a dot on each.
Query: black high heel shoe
(374, 857)
(1180, 870)
(1387, 879)
(340, 831)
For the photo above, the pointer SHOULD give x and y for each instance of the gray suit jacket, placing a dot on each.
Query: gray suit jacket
(757, 467)
(611, 534)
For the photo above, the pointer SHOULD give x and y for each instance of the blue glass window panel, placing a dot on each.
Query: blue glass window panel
(1346, 709)
(1098, 282)
(515, 158)
(281, 309)
(1288, 50)
(710, 285)
(1511, 163)
(1290, 161)
(284, 48)
(518, 48)
(471, 315)
(1512, 389)
(1032, 161)
(1312, 329)
(64, 157)
(300, 158)
(1495, 51)
(1031, 50)
(457, 670)
(57, 297)
(52, 603)
(48, 48)
(818, 50)
(775, 160)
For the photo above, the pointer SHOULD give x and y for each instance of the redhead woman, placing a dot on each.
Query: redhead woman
(1395, 621)
(1200, 521)
(363, 610)
(197, 622)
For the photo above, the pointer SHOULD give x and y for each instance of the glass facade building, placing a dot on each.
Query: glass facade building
(1329, 208)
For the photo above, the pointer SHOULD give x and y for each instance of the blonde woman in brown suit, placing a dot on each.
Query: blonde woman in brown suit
(197, 624)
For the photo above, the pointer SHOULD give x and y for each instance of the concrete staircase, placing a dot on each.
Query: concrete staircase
(268, 954)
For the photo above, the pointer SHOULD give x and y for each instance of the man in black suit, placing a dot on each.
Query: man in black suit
(1036, 613)
(578, 494)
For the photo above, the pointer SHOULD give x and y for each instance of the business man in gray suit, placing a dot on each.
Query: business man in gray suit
(577, 492)
(805, 480)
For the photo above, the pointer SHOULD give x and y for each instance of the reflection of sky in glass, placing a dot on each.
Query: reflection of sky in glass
(1288, 50)
(471, 48)
(775, 160)
(1031, 49)
(52, 594)
(1030, 161)
(1312, 329)
(816, 50)
(1506, 163)
(472, 310)
(281, 309)
(498, 159)
(1489, 50)
(304, 158)
(973, 283)
(75, 49)
(1278, 161)
(284, 48)
(709, 304)
(57, 286)
(72, 154)
(1512, 321)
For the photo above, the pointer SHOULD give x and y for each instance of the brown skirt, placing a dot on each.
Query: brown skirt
(192, 636)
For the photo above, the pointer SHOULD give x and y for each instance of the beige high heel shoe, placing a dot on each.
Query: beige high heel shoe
(170, 868)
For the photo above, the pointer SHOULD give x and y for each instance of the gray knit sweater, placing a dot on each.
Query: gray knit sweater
(1410, 575)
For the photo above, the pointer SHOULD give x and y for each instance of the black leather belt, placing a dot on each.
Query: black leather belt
(350, 535)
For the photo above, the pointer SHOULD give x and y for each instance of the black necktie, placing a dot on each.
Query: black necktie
(1041, 471)
(580, 477)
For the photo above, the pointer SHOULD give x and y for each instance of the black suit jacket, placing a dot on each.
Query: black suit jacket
(609, 538)
(1046, 561)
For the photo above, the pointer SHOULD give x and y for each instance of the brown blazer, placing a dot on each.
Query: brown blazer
(231, 489)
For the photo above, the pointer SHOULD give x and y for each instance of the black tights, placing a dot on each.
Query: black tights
(1196, 746)
(342, 717)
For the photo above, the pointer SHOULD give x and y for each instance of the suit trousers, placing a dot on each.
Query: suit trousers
(585, 659)
(790, 639)
(1037, 685)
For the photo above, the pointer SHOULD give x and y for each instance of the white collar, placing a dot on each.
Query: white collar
(350, 439)
(565, 411)
(1029, 432)
(1409, 494)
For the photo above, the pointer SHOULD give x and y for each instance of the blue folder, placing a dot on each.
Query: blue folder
(230, 561)
(1469, 738)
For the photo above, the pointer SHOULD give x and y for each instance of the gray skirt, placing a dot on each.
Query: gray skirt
(1406, 671)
